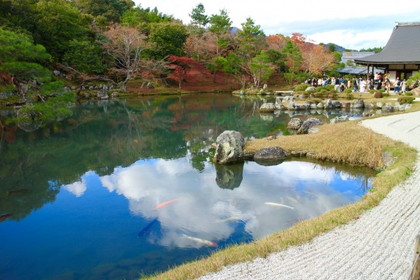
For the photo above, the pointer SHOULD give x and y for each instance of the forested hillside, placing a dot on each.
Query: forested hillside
(44, 44)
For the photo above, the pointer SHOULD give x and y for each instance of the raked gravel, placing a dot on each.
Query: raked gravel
(378, 245)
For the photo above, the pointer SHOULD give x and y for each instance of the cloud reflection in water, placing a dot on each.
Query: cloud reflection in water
(203, 210)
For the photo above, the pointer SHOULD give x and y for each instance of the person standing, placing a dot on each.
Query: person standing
(404, 86)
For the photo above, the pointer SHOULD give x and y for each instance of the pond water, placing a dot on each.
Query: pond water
(126, 188)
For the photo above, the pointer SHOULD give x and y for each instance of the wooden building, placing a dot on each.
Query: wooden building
(400, 56)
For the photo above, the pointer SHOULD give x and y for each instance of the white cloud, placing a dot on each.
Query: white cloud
(77, 188)
(200, 205)
(353, 39)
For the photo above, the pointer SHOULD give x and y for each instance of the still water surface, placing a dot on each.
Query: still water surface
(126, 188)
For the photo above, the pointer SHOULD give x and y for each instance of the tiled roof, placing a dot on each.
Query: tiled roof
(403, 47)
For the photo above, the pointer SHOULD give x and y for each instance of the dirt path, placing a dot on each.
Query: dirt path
(379, 245)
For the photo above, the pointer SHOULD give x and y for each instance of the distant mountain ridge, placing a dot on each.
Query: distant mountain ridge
(337, 48)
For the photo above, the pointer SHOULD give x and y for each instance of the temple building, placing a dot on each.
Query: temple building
(400, 56)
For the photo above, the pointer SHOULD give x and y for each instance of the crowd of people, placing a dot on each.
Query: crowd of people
(359, 84)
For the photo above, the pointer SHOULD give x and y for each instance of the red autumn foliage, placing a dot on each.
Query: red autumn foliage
(180, 66)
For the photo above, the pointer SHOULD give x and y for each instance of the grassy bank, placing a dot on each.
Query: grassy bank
(345, 142)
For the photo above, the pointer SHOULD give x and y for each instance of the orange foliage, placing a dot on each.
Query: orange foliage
(276, 42)
(202, 47)
(316, 58)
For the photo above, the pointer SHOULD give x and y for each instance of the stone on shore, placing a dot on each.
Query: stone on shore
(270, 156)
(229, 147)
(309, 123)
(295, 123)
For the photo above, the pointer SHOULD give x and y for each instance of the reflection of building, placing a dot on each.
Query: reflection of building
(401, 55)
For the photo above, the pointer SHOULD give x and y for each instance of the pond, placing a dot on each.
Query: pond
(126, 188)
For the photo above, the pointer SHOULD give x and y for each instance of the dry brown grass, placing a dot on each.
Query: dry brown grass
(343, 142)
(346, 142)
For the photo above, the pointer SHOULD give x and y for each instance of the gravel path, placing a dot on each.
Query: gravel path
(379, 245)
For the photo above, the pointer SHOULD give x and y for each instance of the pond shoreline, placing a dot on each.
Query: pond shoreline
(378, 245)
(253, 266)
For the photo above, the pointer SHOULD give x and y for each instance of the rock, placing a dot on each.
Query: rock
(229, 176)
(103, 93)
(267, 117)
(270, 156)
(288, 98)
(279, 106)
(388, 108)
(328, 104)
(336, 104)
(416, 91)
(358, 104)
(294, 124)
(310, 89)
(229, 147)
(339, 119)
(306, 125)
(313, 130)
(369, 106)
(320, 105)
(379, 105)
(267, 107)
(291, 106)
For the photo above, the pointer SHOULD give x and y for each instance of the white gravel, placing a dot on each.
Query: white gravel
(379, 245)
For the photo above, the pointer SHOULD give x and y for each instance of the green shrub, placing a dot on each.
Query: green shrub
(349, 96)
(405, 99)
(320, 95)
(408, 93)
(385, 94)
(381, 90)
(347, 90)
(333, 96)
(330, 87)
(301, 87)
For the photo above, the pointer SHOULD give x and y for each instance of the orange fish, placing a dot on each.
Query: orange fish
(201, 241)
(163, 204)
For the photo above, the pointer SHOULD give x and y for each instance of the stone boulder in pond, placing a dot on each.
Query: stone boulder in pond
(229, 147)
(309, 123)
(358, 104)
(270, 156)
(267, 108)
(294, 123)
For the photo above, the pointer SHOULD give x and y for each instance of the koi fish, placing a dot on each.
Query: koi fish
(5, 217)
(163, 204)
(278, 205)
(147, 229)
(201, 241)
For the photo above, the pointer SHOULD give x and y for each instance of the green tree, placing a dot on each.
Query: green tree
(261, 68)
(57, 23)
(220, 25)
(86, 57)
(21, 59)
(112, 10)
(141, 18)
(293, 57)
(198, 16)
(167, 38)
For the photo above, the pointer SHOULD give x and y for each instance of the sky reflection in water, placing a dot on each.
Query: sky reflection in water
(199, 208)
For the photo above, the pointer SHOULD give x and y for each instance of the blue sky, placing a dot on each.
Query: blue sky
(352, 24)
